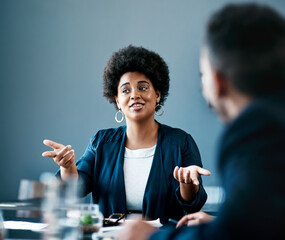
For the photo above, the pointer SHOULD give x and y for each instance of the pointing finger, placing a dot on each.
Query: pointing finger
(53, 144)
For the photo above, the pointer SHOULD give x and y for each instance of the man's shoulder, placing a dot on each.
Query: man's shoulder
(262, 112)
(257, 130)
(272, 108)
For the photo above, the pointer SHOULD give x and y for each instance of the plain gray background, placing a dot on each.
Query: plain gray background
(52, 56)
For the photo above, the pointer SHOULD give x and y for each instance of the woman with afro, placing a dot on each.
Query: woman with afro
(143, 166)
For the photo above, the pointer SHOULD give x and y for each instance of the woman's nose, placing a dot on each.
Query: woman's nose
(135, 94)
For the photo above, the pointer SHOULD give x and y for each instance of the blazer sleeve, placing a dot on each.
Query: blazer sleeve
(191, 156)
(85, 167)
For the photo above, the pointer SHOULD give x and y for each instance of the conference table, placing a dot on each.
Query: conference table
(20, 227)
(33, 227)
(23, 220)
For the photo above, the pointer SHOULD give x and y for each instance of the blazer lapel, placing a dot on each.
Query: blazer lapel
(119, 192)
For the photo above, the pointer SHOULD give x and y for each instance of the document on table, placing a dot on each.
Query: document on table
(22, 225)
(13, 204)
(111, 232)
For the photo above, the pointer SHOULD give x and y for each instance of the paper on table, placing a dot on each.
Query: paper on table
(110, 232)
(21, 225)
(13, 204)
(155, 223)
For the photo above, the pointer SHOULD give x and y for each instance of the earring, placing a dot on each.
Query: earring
(162, 110)
(116, 116)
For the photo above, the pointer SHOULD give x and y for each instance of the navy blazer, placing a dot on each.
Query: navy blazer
(101, 172)
(251, 160)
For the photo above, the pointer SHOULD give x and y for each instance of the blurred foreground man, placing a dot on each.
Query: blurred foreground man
(243, 79)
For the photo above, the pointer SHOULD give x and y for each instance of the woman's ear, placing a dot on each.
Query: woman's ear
(158, 96)
(117, 102)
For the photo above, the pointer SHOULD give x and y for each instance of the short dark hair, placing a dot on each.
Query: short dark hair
(135, 59)
(246, 42)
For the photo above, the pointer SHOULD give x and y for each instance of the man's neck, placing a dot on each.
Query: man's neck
(234, 104)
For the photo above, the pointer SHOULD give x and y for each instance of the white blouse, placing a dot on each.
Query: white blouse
(137, 165)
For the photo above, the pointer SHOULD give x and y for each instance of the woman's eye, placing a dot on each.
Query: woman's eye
(143, 88)
(125, 90)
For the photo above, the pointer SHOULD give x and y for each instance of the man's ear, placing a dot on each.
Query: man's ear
(221, 83)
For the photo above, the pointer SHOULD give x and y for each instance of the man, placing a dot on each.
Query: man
(243, 79)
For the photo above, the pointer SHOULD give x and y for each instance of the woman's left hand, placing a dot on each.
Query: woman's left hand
(188, 179)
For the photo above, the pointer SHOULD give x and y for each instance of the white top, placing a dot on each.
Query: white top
(137, 166)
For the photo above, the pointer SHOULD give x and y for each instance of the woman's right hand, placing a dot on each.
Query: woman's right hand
(62, 155)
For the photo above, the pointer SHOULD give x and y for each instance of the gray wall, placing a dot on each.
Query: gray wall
(52, 56)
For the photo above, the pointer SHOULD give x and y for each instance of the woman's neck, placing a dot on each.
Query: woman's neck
(141, 134)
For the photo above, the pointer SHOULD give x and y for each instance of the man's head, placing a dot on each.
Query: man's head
(244, 51)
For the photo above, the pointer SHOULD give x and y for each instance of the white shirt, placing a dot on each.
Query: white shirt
(137, 165)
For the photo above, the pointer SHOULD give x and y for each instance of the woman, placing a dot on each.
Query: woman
(143, 166)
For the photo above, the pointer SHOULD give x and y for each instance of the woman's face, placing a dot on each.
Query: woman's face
(136, 96)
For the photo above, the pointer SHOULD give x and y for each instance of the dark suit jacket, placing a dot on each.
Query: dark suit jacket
(251, 160)
(101, 172)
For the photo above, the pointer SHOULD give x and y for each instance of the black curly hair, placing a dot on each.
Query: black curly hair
(135, 59)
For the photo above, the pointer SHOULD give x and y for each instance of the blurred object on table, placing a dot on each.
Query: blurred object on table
(28, 190)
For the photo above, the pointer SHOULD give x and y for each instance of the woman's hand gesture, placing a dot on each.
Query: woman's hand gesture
(188, 179)
(62, 155)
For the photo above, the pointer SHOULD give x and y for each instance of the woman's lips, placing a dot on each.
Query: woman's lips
(137, 106)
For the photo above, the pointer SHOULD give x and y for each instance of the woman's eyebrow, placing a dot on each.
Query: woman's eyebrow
(127, 83)
(124, 84)
(143, 82)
